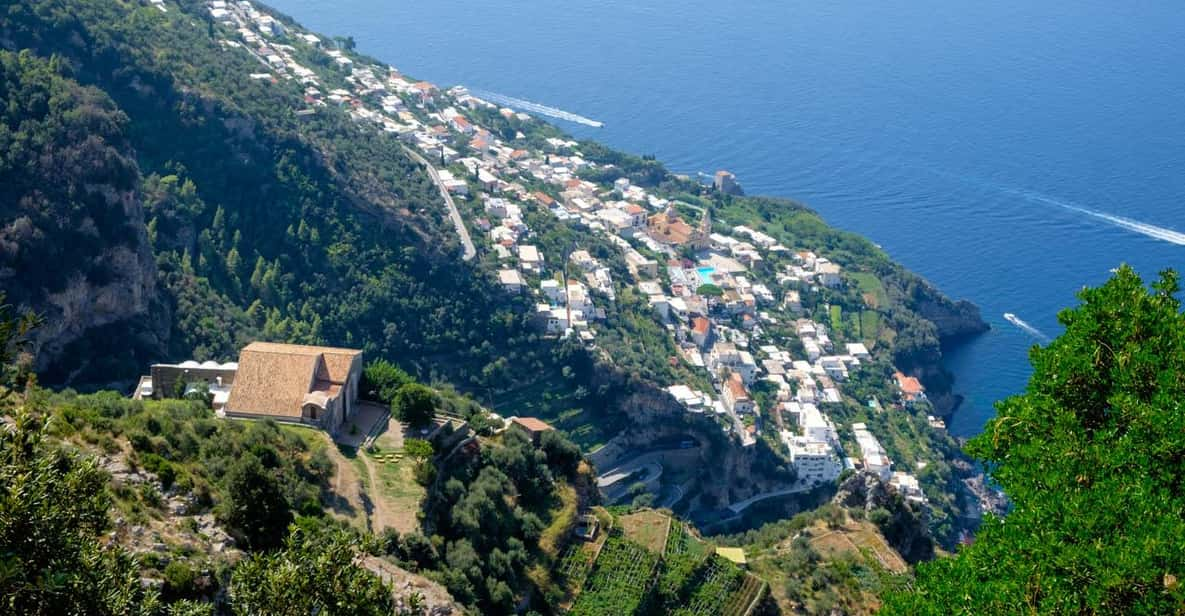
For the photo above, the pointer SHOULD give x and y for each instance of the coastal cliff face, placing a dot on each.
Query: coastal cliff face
(937, 322)
(954, 320)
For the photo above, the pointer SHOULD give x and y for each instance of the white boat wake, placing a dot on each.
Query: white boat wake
(544, 110)
(1149, 230)
(1029, 329)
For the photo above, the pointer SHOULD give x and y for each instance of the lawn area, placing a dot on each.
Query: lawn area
(870, 326)
(394, 476)
(836, 319)
(558, 406)
(647, 528)
(871, 288)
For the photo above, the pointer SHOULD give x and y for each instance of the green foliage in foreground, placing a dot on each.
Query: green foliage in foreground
(52, 508)
(1093, 457)
(311, 575)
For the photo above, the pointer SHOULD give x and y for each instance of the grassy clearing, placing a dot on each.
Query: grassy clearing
(396, 485)
(647, 528)
(870, 327)
(563, 519)
(557, 406)
(836, 313)
(871, 288)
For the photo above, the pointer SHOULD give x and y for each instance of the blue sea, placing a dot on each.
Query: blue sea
(1009, 151)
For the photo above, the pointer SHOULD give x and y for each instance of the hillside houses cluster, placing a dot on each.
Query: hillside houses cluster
(700, 279)
(875, 460)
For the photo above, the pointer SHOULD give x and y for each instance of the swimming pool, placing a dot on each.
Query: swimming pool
(705, 274)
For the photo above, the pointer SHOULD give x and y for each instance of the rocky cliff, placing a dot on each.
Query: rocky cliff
(73, 242)
(904, 527)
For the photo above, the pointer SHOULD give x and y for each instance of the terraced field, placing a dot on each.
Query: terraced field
(628, 577)
(619, 581)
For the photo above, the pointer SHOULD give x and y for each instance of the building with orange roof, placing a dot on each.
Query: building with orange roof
(736, 396)
(543, 198)
(532, 427)
(296, 383)
(911, 388)
(701, 331)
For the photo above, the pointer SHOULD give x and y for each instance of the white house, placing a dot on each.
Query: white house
(875, 459)
(511, 280)
(828, 273)
(858, 350)
(907, 485)
(815, 461)
(553, 291)
(530, 258)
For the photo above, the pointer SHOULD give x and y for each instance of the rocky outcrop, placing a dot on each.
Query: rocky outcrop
(904, 527)
(953, 320)
(414, 594)
(74, 247)
(126, 293)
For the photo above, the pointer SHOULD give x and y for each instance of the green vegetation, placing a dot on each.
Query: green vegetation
(710, 290)
(679, 576)
(381, 380)
(823, 560)
(414, 404)
(314, 573)
(1092, 456)
(836, 317)
(486, 514)
(52, 511)
(619, 580)
(316, 231)
(255, 506)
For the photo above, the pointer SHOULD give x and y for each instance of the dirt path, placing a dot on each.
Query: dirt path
(379, 519)
(347, 498)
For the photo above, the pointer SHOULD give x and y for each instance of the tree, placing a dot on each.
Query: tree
(255, 508)
(414, 404)
(1092, 456)
(381, 380)
(53, 507)
(312, 574)
(710, 290)
(421, 451)
(562, 454)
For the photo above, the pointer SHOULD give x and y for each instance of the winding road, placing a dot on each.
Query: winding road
(738, 507)
(458, 222)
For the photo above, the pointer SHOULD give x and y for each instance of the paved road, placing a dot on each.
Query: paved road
(458, 222)
(795, 489)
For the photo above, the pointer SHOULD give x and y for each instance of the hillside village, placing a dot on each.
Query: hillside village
(710, 284)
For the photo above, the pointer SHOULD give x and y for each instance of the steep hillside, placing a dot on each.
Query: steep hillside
(262, 225)
(246, 197)
(72, 226)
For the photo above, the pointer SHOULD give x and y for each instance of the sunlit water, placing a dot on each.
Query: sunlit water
(1009, 151)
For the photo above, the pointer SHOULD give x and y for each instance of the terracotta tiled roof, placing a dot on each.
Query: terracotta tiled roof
(737, 387)
(909, 385)
(532, 424)
(276, 379)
